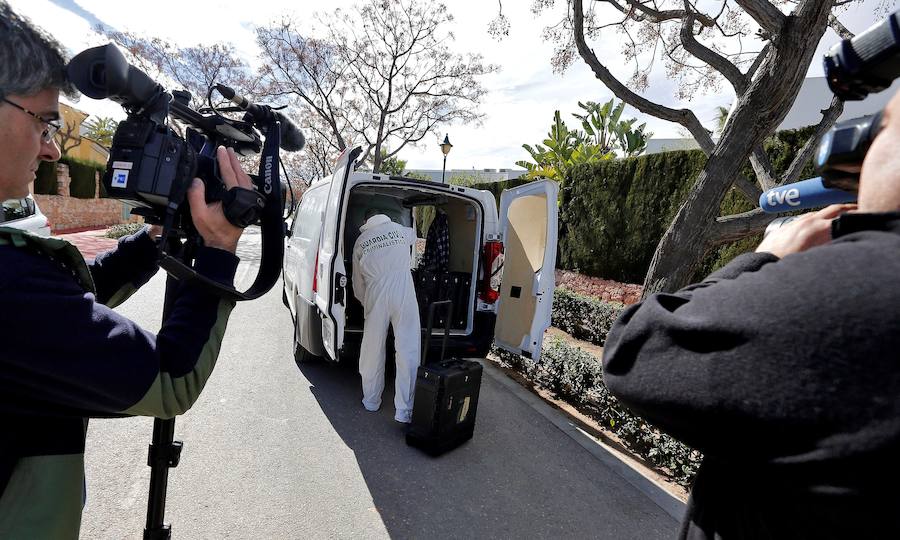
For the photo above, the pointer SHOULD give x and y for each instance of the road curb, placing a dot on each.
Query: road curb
(669, 504)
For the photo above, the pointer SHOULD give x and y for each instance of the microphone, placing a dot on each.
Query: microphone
(292, 138)
(801, 195)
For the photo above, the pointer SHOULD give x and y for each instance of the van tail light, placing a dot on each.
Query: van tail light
(315, 288)
(492, 261)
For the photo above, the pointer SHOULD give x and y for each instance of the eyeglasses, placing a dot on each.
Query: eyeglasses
(52, 125)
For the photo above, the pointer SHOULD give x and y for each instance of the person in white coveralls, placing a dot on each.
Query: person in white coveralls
(383, 283)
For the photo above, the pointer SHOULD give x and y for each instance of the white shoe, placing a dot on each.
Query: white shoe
(404, 417)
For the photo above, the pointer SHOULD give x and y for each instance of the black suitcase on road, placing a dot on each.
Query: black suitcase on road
(446, 397)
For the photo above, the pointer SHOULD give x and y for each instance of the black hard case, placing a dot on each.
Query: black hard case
(446, 397)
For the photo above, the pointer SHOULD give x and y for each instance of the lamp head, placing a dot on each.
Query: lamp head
(446, 146)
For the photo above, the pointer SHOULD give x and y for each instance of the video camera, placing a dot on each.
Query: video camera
(854, 68)
(151, 166)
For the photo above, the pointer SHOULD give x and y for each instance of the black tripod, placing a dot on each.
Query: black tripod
(164, 452)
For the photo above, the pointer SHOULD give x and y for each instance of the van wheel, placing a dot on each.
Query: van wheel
(302, 356)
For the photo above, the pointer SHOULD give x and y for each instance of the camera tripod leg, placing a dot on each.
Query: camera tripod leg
(164, 453)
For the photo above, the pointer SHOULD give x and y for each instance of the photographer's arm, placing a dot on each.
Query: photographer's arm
(100, 363)
(712, 363)
(119, 273)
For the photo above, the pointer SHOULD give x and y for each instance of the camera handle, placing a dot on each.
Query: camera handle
(268, 181)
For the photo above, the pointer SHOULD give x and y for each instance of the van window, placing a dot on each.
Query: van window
(308, 221)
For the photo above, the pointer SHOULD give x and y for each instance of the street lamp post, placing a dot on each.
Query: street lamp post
(445, 148)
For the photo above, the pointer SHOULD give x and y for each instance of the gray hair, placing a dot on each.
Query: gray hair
(30, 60)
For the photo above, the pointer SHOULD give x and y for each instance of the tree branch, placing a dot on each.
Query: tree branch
(685, 117)
(739, 226)
(710, 57)
(748, 188)
(760, 58)
(763, 168)
(767, 16)
(655, 15)
(829, 117)
(839, 28)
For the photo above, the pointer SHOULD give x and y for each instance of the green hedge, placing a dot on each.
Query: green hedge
(584, 317)
(45, 181)
(614, 213)
(577, 377)
(82, 173)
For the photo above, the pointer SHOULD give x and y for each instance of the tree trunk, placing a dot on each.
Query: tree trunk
(756, 116)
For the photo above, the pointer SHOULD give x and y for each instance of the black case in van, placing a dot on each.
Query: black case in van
(446, 397)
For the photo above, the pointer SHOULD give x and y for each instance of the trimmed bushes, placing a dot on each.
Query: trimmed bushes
(82, 173)
(123, 229)
(584, 317)
(45, 182)
(614, 213)
(577, 377)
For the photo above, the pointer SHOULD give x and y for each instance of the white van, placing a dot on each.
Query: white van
(500, 275)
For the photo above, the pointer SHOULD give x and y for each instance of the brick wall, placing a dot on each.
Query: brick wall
(611, 291)
(68, 214)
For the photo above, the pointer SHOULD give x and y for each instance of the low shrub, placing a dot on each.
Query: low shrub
(584, 317)
(576, 377)
(124, 229)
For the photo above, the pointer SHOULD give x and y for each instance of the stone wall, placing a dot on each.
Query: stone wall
(68, 214)
(611, 291)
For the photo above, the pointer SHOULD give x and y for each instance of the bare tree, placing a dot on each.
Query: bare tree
(757, 48)
(382, 74)
(311, 74)
(194, 69)
(68, 138)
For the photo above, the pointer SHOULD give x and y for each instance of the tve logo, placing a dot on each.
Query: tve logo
(790, 196)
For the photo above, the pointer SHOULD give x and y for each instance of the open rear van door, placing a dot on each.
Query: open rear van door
(331, 275)
(528, 225)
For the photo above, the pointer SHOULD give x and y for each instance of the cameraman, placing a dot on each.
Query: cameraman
(783, 368)
(66, 355)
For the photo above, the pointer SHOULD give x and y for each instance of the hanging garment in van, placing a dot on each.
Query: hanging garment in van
(437, 244)
(383, 284)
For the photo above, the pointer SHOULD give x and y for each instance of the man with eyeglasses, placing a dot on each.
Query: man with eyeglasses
(96, 363)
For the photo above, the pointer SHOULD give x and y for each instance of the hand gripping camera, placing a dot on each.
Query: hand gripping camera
(151, 166)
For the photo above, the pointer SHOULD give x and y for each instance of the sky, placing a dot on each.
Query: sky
(521, 98)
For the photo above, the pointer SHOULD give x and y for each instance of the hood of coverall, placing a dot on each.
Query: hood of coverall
(374, 221)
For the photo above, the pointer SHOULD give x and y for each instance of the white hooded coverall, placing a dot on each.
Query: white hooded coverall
(382, 282)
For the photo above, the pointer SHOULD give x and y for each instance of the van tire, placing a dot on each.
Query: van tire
(302, 356)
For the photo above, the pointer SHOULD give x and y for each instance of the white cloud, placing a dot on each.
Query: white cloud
(518, 108)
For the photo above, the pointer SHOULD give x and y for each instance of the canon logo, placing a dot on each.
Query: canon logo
(268, 178)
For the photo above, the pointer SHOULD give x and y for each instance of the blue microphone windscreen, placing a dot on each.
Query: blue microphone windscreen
(802, 195)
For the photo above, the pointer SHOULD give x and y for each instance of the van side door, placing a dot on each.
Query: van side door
(331, 275)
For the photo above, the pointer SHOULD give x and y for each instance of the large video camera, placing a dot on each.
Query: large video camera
(854, 68)
(151, 166)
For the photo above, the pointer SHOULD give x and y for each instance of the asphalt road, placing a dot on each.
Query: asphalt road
(273, 450)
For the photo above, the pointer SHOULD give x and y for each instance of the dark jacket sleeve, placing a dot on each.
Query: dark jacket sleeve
(119, 273)
(763, 358)
(66, 353)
